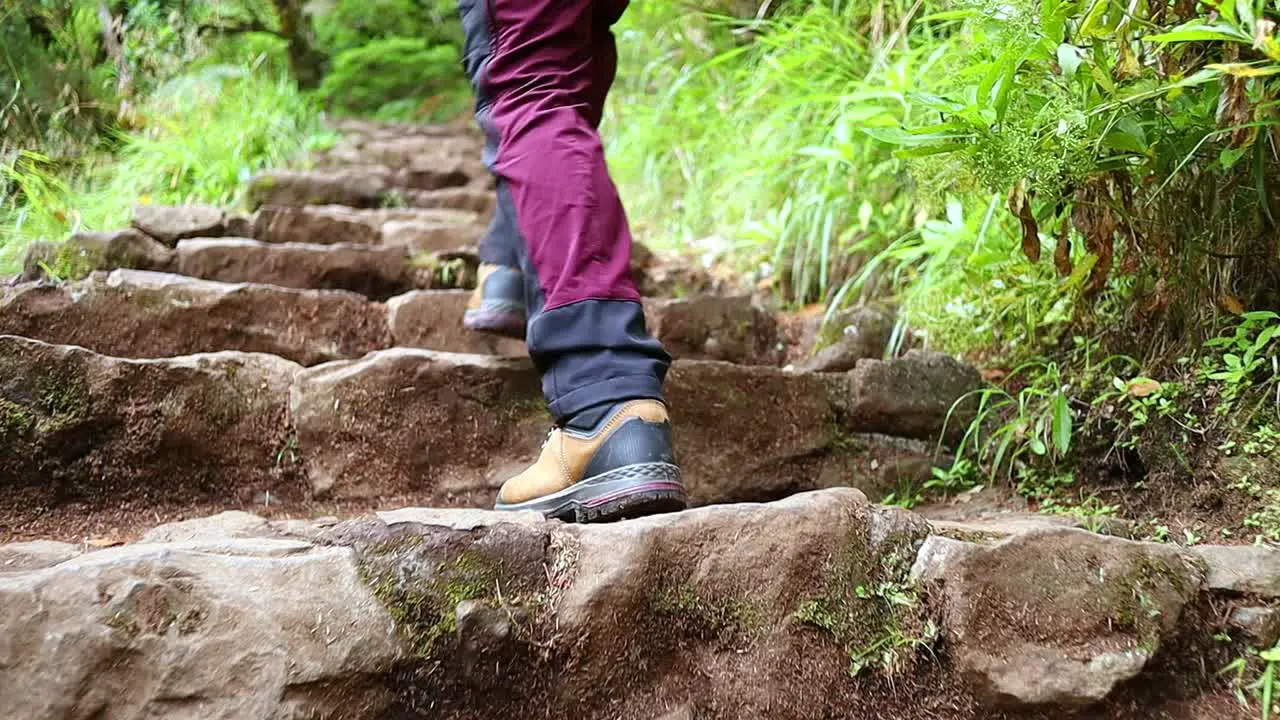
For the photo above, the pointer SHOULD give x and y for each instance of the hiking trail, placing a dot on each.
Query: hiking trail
(243, 461)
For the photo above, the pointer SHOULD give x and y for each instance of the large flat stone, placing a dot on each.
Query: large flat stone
(432, 320)
(140, 314)
(171, 223)
(711, 327)
(86, 252)
(1056, 618)
(914, 396)
(425, 236)
(1242, 570)
(162, 631)
(474, 200)
(400, 151)
(103, 432)
(356, 188)
(374, 271)
(436, 424)
(331, 224)
(451, 428)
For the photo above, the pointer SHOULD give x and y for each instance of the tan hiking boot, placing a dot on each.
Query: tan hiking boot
(623, 467)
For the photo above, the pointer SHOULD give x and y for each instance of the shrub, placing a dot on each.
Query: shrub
(392, 69)
(351, 24)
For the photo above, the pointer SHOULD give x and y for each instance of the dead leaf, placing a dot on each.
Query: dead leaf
(1062, 253)
(1093, 218)
(1129, 263)
(103, 542)
(1233, 304)
(1142, 387)
(1105, 250)
(1235, 111)
(1020, 206)
(1127, 67)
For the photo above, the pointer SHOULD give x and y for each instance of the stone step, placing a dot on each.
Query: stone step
(817, 606)
(132, 313)
(407, 255)
(473, 200)
(476, 421)
(362, 129)
(111, 434)
(407, 153)
(441, 428)
(170, 223)
(136, 314)
(361, 187)
(418, 230)
(377, 272)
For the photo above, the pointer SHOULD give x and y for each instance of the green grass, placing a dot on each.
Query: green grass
(203, 136)
(751, 149)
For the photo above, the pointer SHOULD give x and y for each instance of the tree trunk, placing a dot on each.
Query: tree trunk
(305, 61)
(113, 43)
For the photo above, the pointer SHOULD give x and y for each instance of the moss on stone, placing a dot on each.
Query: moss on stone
(124, 623)
(223, 405)
(867, 605)
(517, 410)
(15, 420)
(1130, 601)
(72, 262)
(729, 617)
(423, 597)
(62, 397)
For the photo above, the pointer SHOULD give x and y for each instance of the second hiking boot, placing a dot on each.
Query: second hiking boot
(497, 305)
(617, 464)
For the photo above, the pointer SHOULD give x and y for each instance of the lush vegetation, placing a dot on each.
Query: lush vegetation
(1075, 195)
(108, 103)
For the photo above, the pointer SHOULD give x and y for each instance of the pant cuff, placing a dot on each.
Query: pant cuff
(611, 390)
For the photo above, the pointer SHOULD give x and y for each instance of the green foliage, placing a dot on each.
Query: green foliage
(1244, 353)
(206, 133)
(961, 476)
(52, 85)
(351, 24)
(1036, 420)
(889, 642)
(366, 78)
(752, 148)
(1262, 687)
(1087, 117)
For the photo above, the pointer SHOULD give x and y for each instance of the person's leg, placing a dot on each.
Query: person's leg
(604, 56)
(497, 305)
(602, 370)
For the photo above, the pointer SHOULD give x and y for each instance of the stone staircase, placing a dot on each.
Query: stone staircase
(218, 444)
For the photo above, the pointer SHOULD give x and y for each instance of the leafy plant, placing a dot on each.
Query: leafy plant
(1263, 687)
(1246, 351)
(1036, 420)
(368, 77)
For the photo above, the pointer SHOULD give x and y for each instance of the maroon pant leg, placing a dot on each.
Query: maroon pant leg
(548, 74)
(604, 55)
(543, 75)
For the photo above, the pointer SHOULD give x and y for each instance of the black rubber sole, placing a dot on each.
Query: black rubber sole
(626, 492)
(496, 321)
